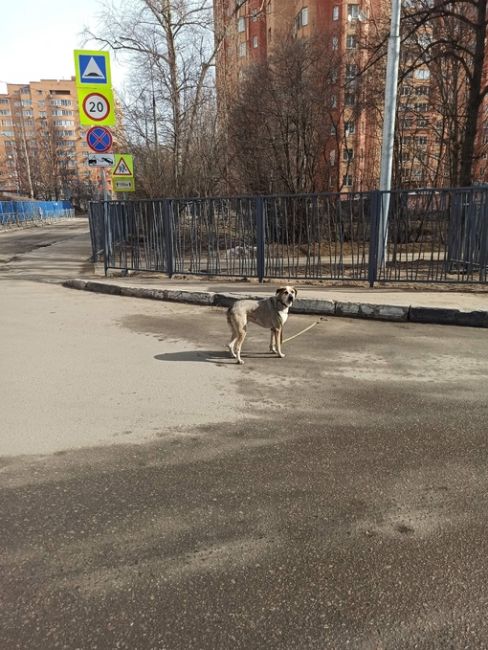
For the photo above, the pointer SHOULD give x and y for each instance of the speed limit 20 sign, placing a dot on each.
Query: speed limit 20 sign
(96, 107)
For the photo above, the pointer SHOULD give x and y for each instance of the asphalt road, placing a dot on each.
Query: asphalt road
(336, 498)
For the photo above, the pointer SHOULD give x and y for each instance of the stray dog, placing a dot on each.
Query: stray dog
(269, 312)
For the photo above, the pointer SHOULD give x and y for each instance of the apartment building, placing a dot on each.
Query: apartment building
(43, 151)
(248, 33)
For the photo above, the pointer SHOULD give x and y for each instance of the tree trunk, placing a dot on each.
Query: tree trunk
(475, 97)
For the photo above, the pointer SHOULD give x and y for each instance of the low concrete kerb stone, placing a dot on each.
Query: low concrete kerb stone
(397, 313)
(375, 312)
(444, 316)
(313, 306)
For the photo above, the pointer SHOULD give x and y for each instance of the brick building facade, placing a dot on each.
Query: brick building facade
(43, 152)
(250, 30)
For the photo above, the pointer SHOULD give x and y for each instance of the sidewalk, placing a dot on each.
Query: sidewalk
(441, 307)
(61, 254)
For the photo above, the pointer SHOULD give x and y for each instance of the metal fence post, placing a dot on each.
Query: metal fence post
(106, 237)
(483, 255)
(92, 226)
(374, 226)
(168, 235)
(260, 238)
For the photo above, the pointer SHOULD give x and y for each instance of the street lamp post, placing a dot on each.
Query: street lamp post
(391, 81)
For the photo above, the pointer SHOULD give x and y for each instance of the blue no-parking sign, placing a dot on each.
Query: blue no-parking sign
(99, 139)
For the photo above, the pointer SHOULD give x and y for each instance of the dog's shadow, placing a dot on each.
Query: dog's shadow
(208, 356)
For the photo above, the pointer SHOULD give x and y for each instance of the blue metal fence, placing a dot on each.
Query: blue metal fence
(432, 236)
(19, 212)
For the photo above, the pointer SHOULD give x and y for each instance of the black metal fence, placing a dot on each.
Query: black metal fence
(432, 236)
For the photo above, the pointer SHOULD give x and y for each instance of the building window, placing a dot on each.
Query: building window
(351, 42)
(255, 41)
(421, 121)
(333, 130)
(347, 155)
(242, 49)
(352, 12)
(422, 73)
(332, 157)
(351, 70)
(335, 12)
(347, 180)
(4, 111)
(349, 99)
(333, 101)
(254, 15)
(241, 24)
(349, 128)
(302, 18)
(335, 42)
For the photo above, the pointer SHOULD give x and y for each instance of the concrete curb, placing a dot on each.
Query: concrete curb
(397, 313)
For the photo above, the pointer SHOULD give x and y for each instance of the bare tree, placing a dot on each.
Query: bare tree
(171, 47)
(281, 120)
(445, 41)
(459, 34)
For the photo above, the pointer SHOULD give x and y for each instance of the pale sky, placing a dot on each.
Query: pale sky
(37, 39)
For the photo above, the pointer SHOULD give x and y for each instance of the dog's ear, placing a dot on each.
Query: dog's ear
(295, 292)
(280, 290)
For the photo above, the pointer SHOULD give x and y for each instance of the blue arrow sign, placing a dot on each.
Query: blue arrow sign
(99, 139)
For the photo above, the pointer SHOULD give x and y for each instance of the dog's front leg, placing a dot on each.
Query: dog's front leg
(278, 333)
(272, 342)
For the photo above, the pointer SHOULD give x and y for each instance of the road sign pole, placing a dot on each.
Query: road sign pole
(104, 185)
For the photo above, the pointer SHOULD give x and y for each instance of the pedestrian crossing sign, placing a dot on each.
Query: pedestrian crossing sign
(123, 165)
(123, 173)
(92, 69)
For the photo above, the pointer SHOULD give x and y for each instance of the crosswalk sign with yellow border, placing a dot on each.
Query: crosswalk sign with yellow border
(92, 69)
(123, 173)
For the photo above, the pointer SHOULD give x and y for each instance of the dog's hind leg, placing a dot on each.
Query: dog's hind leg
(240, 341)
(235, 334)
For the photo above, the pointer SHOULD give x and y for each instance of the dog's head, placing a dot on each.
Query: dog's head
(286, 295)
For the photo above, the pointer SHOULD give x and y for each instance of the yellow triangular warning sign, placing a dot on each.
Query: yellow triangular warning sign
(122, 169)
